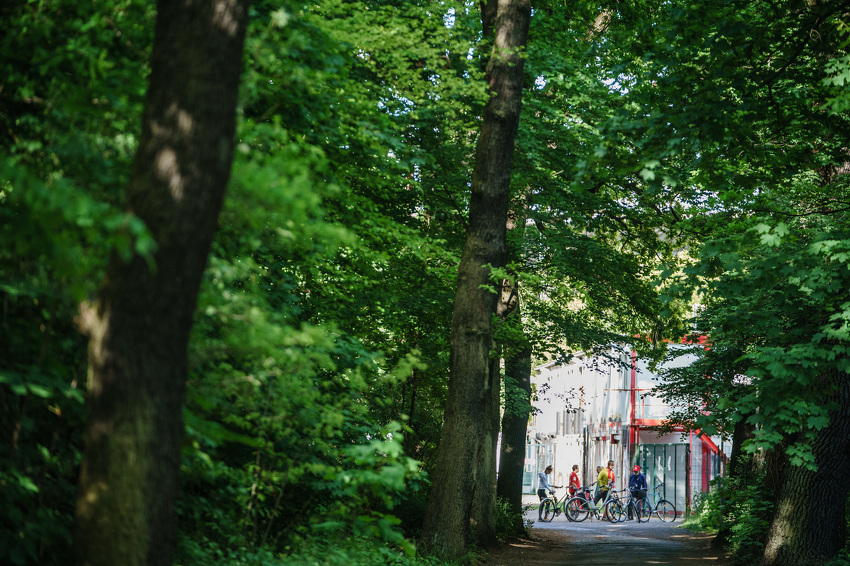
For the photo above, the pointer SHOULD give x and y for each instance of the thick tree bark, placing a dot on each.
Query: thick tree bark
(515, 426)
(484, 507)
(809, 521)
(484, 502)
(462, 445)
(139, 324)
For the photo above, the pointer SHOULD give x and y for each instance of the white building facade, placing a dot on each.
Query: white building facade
(596, 409)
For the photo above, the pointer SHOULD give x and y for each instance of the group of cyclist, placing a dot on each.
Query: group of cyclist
(604, 482)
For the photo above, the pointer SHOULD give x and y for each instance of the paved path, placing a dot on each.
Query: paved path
(595, 542)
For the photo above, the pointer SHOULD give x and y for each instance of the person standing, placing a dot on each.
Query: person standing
(596, 489)
(604, 482)
(575, 483)
(544, 487)
(637, 487)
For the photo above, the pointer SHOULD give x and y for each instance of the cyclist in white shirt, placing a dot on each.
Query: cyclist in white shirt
(543, 485)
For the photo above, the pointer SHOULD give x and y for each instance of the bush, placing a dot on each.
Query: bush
(741, 508)
(314, 551)
(509, 524)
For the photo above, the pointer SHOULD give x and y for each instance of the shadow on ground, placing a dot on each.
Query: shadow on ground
(601, 543)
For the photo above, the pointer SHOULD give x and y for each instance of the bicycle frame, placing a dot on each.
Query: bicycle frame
(585, 506)
(654, 496)
(640, 508)
(662, 508)
(550, 507)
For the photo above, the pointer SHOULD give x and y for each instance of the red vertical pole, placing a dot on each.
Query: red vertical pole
(633, 428)
(688, 468)
(633, 397)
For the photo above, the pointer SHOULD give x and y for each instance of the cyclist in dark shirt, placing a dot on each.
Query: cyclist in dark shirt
(637, 487)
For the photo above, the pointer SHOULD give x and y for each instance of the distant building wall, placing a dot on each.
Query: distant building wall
(592, 410)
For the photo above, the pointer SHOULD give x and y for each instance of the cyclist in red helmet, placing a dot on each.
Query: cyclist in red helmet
(637, 487)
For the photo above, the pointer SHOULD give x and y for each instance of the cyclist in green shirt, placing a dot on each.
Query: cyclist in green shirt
(604, 482)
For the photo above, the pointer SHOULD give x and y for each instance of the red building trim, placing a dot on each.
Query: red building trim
(633, 400)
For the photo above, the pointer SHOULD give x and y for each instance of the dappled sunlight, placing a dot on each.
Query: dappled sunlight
(168, 169)
(316, 365)
(226, 18)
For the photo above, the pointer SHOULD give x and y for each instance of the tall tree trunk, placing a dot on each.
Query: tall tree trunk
(139, 324)
(515, 424)
(459, 462)
(484, 507)
(809, 522)
(484, 503)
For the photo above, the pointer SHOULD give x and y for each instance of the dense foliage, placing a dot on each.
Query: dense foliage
(710, 138)
(772, 207)
(747, 507)
(753, 100)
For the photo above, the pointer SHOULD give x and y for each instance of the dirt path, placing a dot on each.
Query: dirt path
(601, 543)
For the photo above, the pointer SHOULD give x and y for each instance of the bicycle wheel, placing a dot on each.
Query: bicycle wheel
(644, 511)
(666, 511)
(614, 511)
(546, 511)
(577, 509)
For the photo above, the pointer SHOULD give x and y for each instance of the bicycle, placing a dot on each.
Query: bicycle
(580, 507)
(550, 507)
(616, 510)
(662, 508)
(645, 510)
(574, 508)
